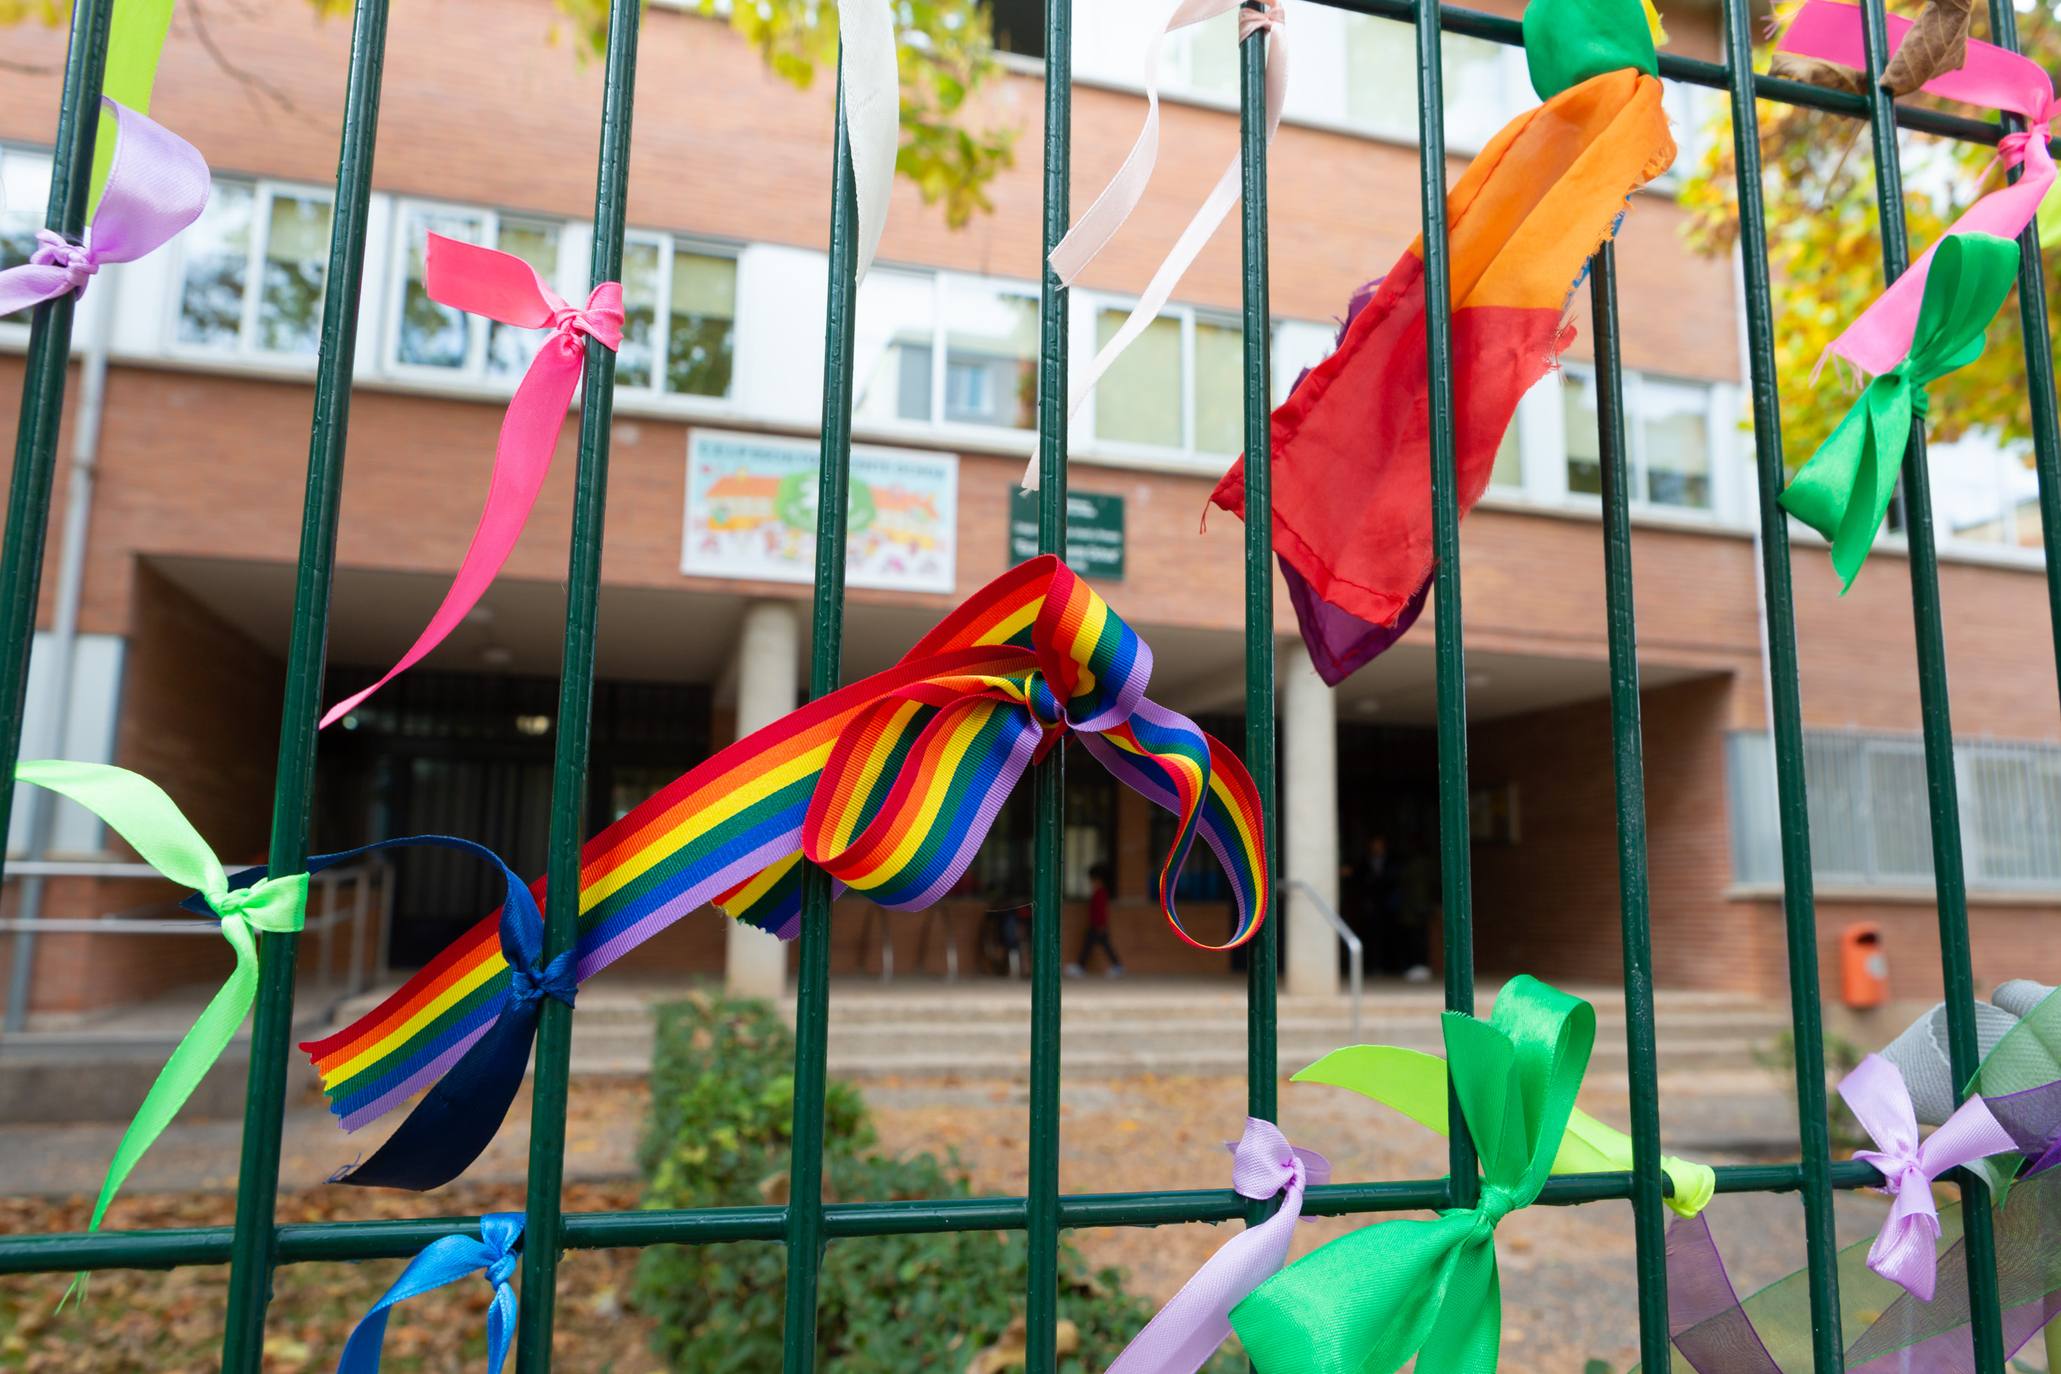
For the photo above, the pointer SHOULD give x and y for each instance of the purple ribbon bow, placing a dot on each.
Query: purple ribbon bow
(1196, 1320)
(1906, 1249)
(156, 186)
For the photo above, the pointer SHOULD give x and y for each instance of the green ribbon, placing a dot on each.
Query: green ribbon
(1367, 1302)
(143, 815)
(1414, 1083)
(135, 41)
(1843, 491)
(1566, 42)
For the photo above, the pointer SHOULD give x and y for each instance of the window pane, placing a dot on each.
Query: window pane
(296, 265)
(509, 350)
(1205, 56)
(701, 328)
(1219, 388)
(892, 346)
(1139, 401)
(216, 252)
(1509, 468)
(1675, 418)
(633, 361)
(991, 350)
(24, 184)
(432, 335)
(2022, 490)
(1584, 457)
(1381, 75)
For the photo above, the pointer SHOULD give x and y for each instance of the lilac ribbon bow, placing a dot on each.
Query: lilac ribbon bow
(156, 186)
(1906, 1250)
(1196, 1320)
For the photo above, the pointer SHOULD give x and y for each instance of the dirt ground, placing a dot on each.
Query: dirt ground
(1569, 1293)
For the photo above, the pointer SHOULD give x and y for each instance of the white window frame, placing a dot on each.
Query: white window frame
(246, 348)
(15, 328)
(669, 245)
(1715, 428)
(1083, 436)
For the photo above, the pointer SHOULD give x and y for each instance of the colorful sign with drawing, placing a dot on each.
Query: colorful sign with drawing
(751, 513)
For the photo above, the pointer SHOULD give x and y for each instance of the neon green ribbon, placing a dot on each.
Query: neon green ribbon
(1414, 1083)
(143, 815)
(1367, 1302)
(1567, 42)
(135, 41)
(1843, 491)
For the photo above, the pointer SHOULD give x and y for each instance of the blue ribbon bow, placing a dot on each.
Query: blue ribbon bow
(458, 1118)
(443, 1262)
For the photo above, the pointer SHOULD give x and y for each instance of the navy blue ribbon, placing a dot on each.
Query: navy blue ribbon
(439, 1263)
(458, 1118)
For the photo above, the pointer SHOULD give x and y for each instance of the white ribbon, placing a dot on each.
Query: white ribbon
(872, 112)
(1093, 231)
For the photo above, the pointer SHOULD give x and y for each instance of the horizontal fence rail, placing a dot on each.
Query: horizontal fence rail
(2002, 781)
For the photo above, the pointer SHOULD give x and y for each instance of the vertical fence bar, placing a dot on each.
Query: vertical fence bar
(544, 1221)
(1041, 1296)
(257, 1182)
(805, 1236)
(42, 405)
(2039, 359)
(1949, 878)
(1455, 880)
(1262, 1064)
(1628, 770)
(1799, 905)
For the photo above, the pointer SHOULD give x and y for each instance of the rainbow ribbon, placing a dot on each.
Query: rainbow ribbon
(889, 784)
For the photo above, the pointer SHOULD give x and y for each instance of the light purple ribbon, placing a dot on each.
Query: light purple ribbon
(1906, 1249)
(156, 186)
(1196, 1320)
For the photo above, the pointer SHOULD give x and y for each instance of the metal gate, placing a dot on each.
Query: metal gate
(257, 1243)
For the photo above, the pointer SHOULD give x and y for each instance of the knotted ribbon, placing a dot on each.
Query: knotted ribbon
(135, 41)
(140, 812)
(1367, 1302)
(504, 288)
(1414, 1083)
(1991, 78)
(157, 184)
(1905, 1250)
(1843, 492)
(439, 1264)
(1195, 1321)
(2020, 1078)
(1095, 228)
(890, 784)
(482, 1072)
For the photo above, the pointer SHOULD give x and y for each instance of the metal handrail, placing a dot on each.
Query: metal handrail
(1345, 934)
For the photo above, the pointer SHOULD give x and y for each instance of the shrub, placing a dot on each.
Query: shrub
(722, 1086)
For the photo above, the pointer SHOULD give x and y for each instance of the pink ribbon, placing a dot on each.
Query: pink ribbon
(1196, 1320)
(1092, 232)
(1906, 1249)
(501, 286)
(1993, 79)
(157, 185)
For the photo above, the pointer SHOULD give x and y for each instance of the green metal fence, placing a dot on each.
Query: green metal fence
(257, 1242)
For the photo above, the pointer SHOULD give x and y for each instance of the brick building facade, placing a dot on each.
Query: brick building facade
(193, 527)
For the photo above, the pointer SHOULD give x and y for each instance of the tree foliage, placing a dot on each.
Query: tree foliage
(1825, 249)
(946, 56)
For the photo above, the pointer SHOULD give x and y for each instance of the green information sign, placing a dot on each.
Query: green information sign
(1094, 532)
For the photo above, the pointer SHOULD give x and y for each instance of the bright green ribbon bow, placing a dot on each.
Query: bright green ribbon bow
(143, 815)
(1367, 1302)
(1414, 1083)
(1843, 491)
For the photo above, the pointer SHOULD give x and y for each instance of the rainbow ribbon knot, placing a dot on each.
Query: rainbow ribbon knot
(439, 1264)
(1843, 492)
(504, 288)
(157, 184)
(141, 813)
(1906, 1248)
(1370, 1301)
(890, 784)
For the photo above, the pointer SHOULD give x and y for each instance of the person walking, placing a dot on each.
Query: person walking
(1097, 932)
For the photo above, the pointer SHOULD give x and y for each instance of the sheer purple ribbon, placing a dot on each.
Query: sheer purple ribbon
(156, 186)
(2033, 1117)
(1906, 1249)
(1196, 1320)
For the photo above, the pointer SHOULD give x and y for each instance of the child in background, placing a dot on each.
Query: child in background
(1097, 932)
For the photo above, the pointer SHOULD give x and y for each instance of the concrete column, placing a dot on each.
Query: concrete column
(1309, 822)
(768, 669)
